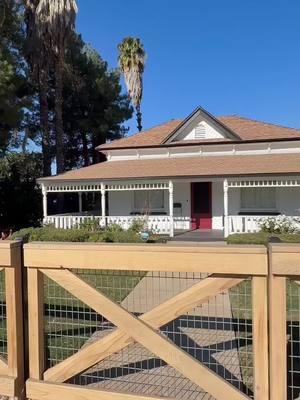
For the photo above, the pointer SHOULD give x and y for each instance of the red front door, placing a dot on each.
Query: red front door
(201, 205)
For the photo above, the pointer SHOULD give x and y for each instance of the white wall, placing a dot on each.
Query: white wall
(217, 205)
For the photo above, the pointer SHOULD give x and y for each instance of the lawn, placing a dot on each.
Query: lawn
(262, 238)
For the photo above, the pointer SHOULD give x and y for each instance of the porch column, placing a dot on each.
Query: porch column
(80, 201)
(171, 203)
(226, 219)
(44, 192)
(103, 206)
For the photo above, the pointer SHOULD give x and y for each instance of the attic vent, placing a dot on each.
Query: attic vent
(200, 131)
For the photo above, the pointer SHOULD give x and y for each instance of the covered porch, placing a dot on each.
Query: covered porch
(168, 207)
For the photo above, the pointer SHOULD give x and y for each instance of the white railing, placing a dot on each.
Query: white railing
(249, 223)
(244, 223)
(159, 224)
(71, 221)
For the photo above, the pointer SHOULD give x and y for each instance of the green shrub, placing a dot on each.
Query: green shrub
(138, 225)
(51, 234)
(112, 234)
(122, 236)
(91, 225)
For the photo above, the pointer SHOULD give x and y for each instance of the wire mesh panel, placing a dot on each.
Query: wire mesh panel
(3, 331)
(216, 333)
(293, 338)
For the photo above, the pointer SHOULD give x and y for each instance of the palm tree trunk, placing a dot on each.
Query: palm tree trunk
(139, 118)
(59, 128)
(44, 121)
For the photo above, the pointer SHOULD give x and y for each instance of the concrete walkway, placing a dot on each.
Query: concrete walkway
(199, 236)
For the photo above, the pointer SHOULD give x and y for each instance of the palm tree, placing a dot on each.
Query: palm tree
(55, 22)
(37, 57)
(132, 63)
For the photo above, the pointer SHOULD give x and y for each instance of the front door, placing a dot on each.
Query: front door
(201, 205)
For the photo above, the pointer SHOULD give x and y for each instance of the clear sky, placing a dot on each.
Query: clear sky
(229, 56)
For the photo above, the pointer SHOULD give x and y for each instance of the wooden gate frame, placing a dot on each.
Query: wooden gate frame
(12, 370)
(226, 263)
(284, 262)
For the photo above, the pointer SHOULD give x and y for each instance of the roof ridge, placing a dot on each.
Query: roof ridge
(257, 120)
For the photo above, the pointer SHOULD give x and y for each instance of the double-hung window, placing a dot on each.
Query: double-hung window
(258, 199)
(150, 200)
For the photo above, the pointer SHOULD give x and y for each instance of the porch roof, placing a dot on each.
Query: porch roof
(184, 167)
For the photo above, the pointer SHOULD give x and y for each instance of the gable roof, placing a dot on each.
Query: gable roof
(244, 129)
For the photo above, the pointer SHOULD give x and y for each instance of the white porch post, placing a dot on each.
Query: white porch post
(103, 205)
(44, 192)
(226, 219)
(80, 201)
(171, 205)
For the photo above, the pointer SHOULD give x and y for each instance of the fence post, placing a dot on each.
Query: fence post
(14, 312)
(260, 337)
(36, 323)
(277, 334)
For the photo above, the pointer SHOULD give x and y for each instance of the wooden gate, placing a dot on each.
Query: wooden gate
(225, 268)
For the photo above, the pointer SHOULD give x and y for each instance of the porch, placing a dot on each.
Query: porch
(230, 205)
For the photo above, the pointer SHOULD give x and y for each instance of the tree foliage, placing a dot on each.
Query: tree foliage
(132, 63)
(14, 89)
(20, 200)
(56, 91)
(93, 108)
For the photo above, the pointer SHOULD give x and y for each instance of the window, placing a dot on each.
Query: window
(149, 200)
(200, 131)
(258, 198)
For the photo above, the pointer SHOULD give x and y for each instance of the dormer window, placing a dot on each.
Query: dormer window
(200, 131)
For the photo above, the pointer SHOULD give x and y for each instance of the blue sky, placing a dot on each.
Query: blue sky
(231, 57)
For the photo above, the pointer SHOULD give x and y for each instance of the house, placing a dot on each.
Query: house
(202, 172)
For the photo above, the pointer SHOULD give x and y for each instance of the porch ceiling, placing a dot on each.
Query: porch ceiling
(214, 166)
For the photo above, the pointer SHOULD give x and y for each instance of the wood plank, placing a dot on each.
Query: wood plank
(14, 306)
(277, 338)
(36, 323)
(286, 264)
(213, 259)
(157, 317)
(260, 338)
(38, 390)
(157, 343)
(5, 252)
(3, 366)
(8, 386)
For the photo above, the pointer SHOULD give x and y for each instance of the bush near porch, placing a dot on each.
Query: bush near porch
(112, 234)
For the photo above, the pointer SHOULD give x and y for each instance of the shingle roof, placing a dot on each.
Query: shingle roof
(273, 164)
(249, 129)
(245, 128)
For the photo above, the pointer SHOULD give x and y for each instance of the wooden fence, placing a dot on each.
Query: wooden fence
(129, 322)
(11, 328)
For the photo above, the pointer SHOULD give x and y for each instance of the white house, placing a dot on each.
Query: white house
(203, 172)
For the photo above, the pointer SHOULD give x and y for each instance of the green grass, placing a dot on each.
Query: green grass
(261, 238)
